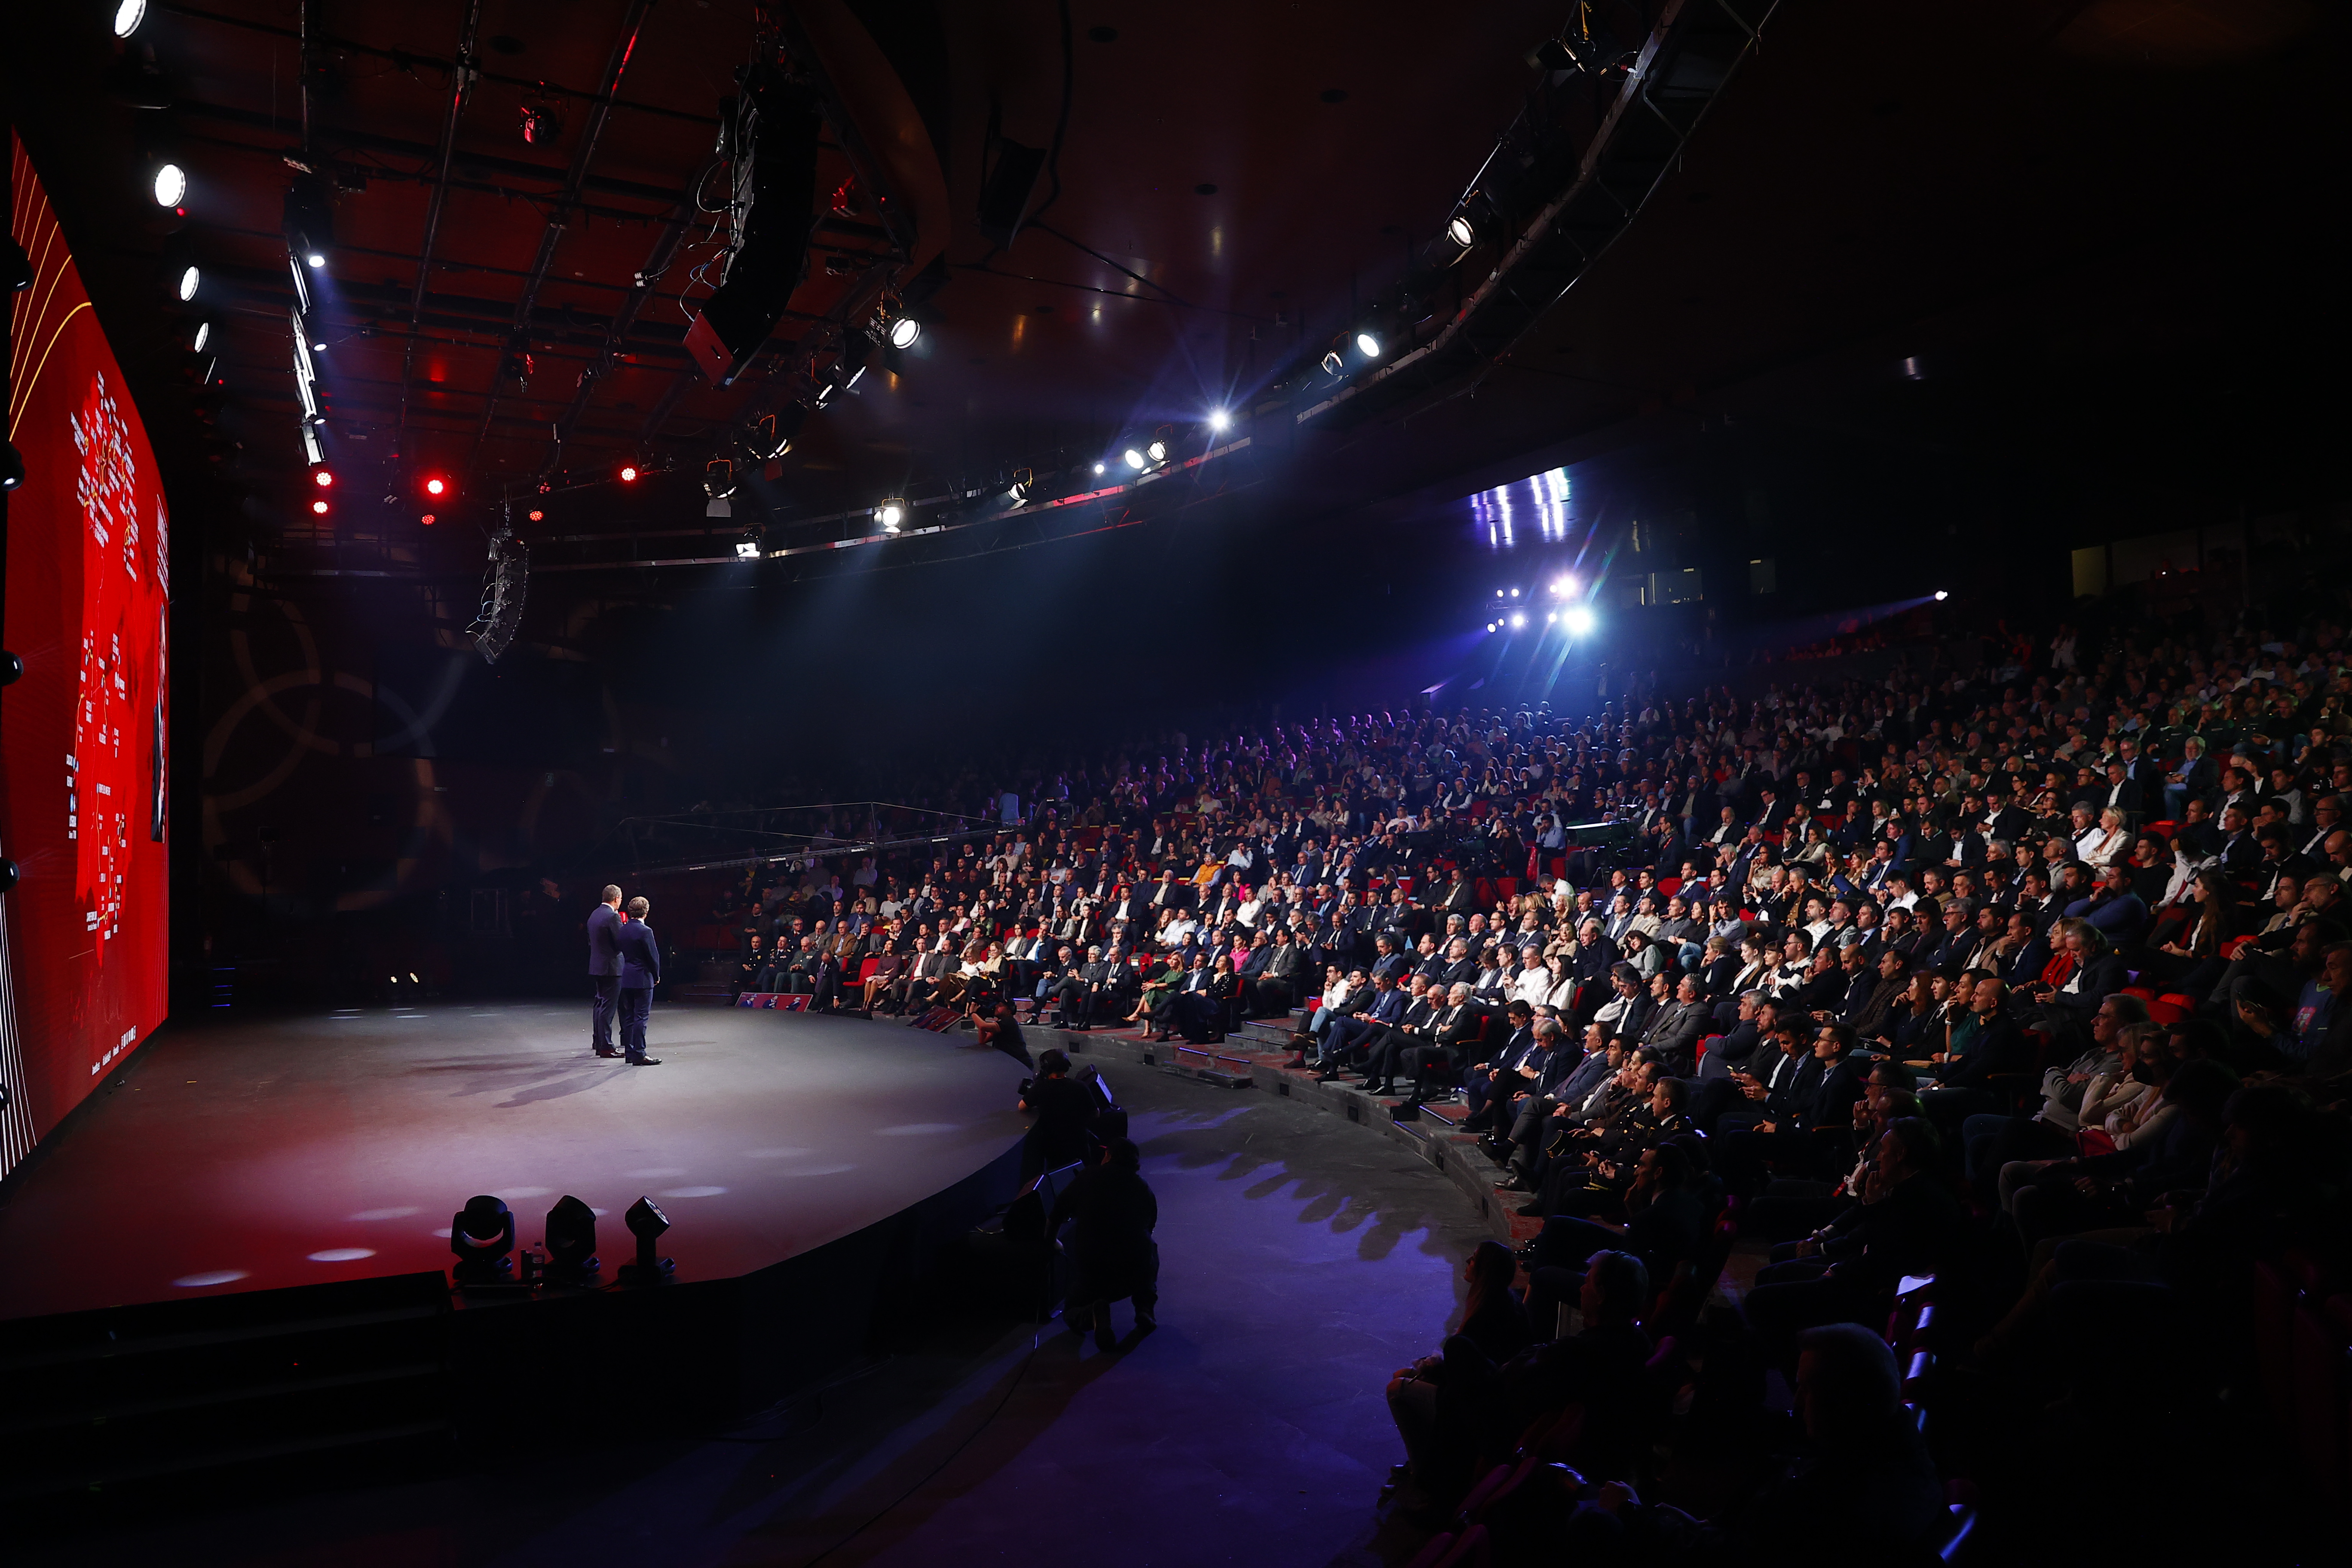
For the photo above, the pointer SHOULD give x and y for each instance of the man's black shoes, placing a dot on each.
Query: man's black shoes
(602, 1052)
(645, 1061)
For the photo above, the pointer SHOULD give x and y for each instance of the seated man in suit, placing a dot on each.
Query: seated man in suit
(1487, 1086)
(1989, 1042)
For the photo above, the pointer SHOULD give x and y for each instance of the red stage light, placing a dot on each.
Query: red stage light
(435, 487)
(426, 520)
(320, 507)
(324, 478)
(537, 516)
(628, 473)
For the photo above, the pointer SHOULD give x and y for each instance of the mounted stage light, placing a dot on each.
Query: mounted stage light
(1579, 621)
(1518, 618)
(191, 278)
(570, 1241)
(428, 520)
(1098, 468)
(537, 516)
(1461, 231)
(646, 1223)
(128, 16)
(1332, 363)
(1367, 343)
(1135, 459)
(320, 507)
(769, 134)
(436, 486)
(747, 550)
(628, 473)
(322, 478)
(1942, 594)
(772, 434)
(1564, 586)
(904, 331)
(1515, 592)
(1219, 421)
(719, 478)
(892, 513)
(11, 474)
(482, 1235)
(1024, 485)
(1550, 616)
(1157, 451)
(170, 185)
(204, 336)
(308, 219)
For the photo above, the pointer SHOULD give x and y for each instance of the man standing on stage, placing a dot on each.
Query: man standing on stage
(640, 972)
(605, 969)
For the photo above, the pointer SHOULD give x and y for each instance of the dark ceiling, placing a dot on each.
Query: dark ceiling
(2040, 226)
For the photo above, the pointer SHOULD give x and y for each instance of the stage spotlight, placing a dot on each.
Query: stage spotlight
(1498, 592)
(747, 550)
(1098, 468)
(128, 16)
(1134, 459)
(1157, 451)
(537, 516)
(1024, 485)
(1550, 616)
(570, 1241)
(892, 513)
(436, 486)
(1490, 625)
(628, 473)
(204, 336)
(1564, 586)
(313, 258)
(1462, 232)
(1515, 592)
(427, 519)
(646, 1223)
(1367, 343)
(719, 478)
(1219, 421)
(904, 331)
(11, 476)
(1518, 618)
(322, 478)
(482, 1235)
(1332, 363)
(320, 507)
(189, 279)
(1942, 594)
(772, 434)
(171, 185)
(1579, 621)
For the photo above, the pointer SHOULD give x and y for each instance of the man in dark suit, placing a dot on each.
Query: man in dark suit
(604, 970)
(640, 972)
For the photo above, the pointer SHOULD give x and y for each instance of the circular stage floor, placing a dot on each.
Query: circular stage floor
(295, 1149)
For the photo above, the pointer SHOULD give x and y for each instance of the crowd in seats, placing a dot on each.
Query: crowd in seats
(2020, 970)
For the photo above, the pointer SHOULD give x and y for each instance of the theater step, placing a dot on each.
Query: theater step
(1264, 1033)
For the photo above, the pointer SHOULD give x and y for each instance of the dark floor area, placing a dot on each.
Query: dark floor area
(1304, 1259)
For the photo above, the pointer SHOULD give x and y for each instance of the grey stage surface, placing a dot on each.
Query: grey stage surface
(331, 1146)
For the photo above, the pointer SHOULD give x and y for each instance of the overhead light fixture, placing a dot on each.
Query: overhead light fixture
(189, 279)
(1098, 468)
(128, 16)
(1157, 451)
(1367, 343)
(320, 507)
(318, 348)
(1579, 621)
(628, 473)
(1564, 586)
(1219, 421)
(1134, 459)
(1498, 592)
(1461, 231)
(171, 185)
(204, 336)
(435, 486)
(1518, 618)
(747, 550)
(1515, 592)
(314, 258)
(427, 519)
(1332, 363)
(481, 1235)
(1550, 616)
(322, 478)
(892, 513)
(904, 331)
(1942, 594)
(537, 515)
(1490, 625)
(1024, 485)
(719, 478)
(772, 437)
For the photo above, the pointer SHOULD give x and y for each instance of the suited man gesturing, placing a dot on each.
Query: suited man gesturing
(640, 972)
(604, 970)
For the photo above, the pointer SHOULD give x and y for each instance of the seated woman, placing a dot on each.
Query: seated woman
(1435, 1402)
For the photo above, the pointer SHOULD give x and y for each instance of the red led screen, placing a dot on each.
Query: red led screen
(83, 761)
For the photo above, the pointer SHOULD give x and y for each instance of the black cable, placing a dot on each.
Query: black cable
(1062, 124)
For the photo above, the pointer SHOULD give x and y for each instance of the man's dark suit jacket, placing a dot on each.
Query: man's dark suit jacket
(640, 957)
(604, 941)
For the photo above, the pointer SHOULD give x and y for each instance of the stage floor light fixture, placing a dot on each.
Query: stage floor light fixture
(482, 1236)
(646, 1223)
(570, 1241)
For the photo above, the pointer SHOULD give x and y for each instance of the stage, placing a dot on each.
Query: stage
(300, 1149)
